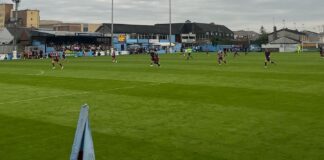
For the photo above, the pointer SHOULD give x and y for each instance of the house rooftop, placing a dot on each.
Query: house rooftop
(290, 30)
(177, 28)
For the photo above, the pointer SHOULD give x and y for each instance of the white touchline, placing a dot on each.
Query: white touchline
(42, 98)
(48, 97)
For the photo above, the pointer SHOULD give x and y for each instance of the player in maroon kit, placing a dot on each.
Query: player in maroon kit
(55, 56)
(156, 59)
(152, 54)
(267, 58)
(221, 57)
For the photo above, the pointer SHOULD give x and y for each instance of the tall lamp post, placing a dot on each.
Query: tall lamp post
(112, 26)
(15, 47)
(170, 25)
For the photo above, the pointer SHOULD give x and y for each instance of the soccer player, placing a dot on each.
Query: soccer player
(41, 53)
(321, 52)
(113, 56)
(236, 52)
(267, 58)
(183, 51)
(157, 59)
(152, 54)
(64, 52)
(225, 52)
(221, 57)
(299, 49)
(189, 52)
(55, 56)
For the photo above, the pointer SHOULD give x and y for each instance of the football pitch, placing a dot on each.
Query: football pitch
(185, 110)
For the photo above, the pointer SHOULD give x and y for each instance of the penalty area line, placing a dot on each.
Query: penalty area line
(38, 74)
(132, 87)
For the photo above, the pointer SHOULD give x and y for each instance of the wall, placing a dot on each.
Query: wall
(322, 38)
(282, 47)
(49, 24)
(68, 27)
(29, 18)
(93, 27)
(33, 19)
(2, 16)
(284, 33)
(5, 11)
(313, 38)
(74, 27)
(173, 38)
(144, 42)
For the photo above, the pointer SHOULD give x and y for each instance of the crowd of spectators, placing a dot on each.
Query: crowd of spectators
(71, 49)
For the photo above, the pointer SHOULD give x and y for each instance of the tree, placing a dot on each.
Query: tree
(263, 39)
(262, 30)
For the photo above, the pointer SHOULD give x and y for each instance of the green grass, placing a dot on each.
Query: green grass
(185, 110)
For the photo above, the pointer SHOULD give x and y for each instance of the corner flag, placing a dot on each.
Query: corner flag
(82, 148)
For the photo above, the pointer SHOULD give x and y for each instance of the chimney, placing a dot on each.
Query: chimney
(275, 32)
(274, 29)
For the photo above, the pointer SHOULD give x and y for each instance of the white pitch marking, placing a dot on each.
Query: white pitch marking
(132, 87)
(42, 98)
(49, 97)
(38, 74)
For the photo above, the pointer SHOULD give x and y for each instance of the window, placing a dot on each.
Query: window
(163, 37)
(202, 36)
(143, 36)
(85, 28)
(152, 36)
(185, 37)
(133, 36)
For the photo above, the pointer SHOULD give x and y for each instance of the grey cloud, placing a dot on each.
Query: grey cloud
(236, 14)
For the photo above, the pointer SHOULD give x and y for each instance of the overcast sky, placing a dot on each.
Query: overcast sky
(235, 14)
